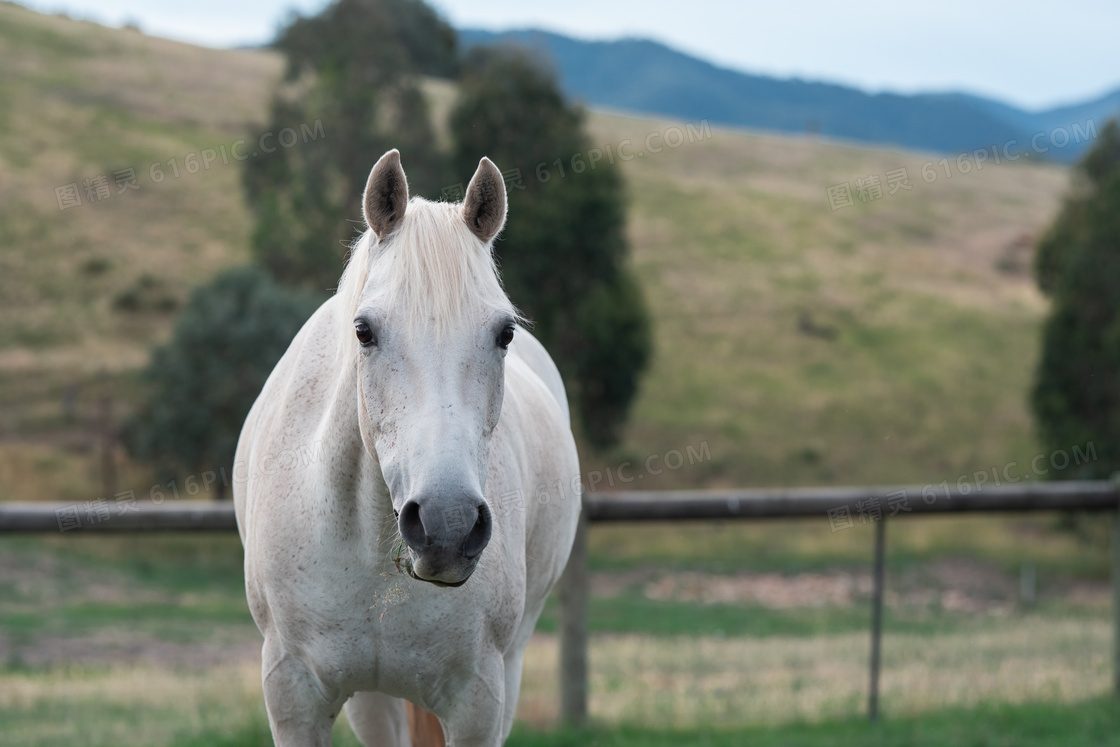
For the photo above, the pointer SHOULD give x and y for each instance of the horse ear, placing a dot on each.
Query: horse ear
(484, 208)
(386, 195)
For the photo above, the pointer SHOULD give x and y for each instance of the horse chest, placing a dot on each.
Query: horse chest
(361, 621)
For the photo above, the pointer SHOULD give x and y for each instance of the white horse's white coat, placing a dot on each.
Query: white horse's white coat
(432, 419)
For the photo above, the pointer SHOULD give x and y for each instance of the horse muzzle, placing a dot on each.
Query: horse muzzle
(445, 538)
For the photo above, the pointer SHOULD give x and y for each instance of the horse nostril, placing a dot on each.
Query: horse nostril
(411, 526)
(479, 536)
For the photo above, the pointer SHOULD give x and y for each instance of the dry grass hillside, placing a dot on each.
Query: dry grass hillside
(85, 291)
(886, 341)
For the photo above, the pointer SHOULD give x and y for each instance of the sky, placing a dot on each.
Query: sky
(1024, 52)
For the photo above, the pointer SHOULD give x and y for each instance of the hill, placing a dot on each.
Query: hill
(644, 76)
(891, 339)
(86, 289)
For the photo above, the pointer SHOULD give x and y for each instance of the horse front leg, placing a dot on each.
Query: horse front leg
(378, 720)
(301, 710)
(473, 717)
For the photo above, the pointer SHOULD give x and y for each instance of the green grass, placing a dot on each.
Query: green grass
(183, 588)
(94, 721)
(1094, 723)
(173, 588)
(796, 546)
(170, 562)
(115, 707)
(654, 661)
(169, 621)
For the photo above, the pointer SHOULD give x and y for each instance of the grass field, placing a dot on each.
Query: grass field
(147, 640)
(1090, 723)
(99, 708)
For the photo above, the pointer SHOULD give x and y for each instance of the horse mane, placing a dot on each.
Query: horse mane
(432, 267)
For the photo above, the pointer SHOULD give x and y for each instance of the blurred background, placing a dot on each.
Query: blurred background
(825, 245)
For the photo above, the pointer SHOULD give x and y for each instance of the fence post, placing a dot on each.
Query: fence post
(1116, 591)
(573, 631)
(877, 618)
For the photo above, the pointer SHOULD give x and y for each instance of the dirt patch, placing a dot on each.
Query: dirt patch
(771, 590)
(119, 646)
(607, 585)
(953, 584)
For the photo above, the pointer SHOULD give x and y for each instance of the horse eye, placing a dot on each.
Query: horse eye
(506, 337)
(365, 334)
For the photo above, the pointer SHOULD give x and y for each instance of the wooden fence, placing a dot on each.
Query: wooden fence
(841, 507)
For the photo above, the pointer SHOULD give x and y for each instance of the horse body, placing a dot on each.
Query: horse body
(405, 504)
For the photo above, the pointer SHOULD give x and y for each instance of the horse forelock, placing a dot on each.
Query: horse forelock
(432, 268)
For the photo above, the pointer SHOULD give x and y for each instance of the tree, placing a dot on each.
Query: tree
(563, 251)
(355, 69)
(1076, 396)
(351, 89)
(202, 383)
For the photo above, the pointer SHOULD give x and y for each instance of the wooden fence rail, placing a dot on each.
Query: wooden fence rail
(840, 507)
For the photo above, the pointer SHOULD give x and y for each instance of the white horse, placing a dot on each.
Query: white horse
(412, 557)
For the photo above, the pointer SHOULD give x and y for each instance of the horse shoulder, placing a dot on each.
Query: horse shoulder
(535, 426)
(529, 350)
(281, 420)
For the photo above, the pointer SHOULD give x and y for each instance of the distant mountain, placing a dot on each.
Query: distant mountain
(645, 76)
(1100, 109)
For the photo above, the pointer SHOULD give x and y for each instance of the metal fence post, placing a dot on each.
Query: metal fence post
(877, 618)
(573, 631)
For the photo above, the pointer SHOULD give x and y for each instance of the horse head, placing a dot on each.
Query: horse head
(431, 330)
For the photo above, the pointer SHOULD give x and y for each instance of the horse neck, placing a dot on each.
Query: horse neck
(353, 472)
